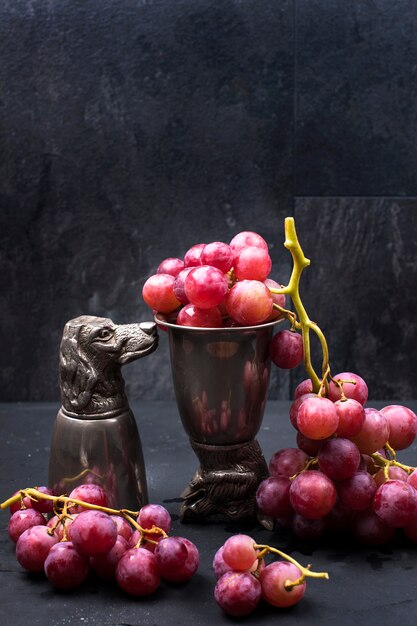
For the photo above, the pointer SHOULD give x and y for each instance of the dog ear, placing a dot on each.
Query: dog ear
(78, 376)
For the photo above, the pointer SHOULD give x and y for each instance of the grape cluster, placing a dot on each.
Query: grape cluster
(344, 473)
(243, 577)
(84, 534)
(217, 285)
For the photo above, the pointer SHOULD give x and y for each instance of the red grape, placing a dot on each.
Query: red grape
(312, 494)
(92, 494)
(395, 503)
(307, 445)
(272, 496)
(137, 572)
(158, 293)
(105, 564)
(221, 567)
(218, 255)
(33, 547)
(66, 568)
(412, 479)
(17, 506)
(124, 529)
(286, 349)
(192, 562)
(247, 238)
(308, 529)
(154, 515)
(357, 392)
(358, 491)
(43, 506)
(338, 458)
(296, 405)
(317, 418)
(273, 579)
(93, 532)
(402, 426)
(287, 462)
(23, 519)
(206, 286)
(351, 417)
(277, 298)
(252, 263)
(394, 473)
(237, 593)
(192, 256)
(306, 386)
(374, 433)
(178, 286)
(370, 529)
(191, 315)
(170, 555)
(170, 266)
(249, 302)
(239, 552)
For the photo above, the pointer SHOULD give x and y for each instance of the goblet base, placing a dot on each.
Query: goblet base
(225, 483)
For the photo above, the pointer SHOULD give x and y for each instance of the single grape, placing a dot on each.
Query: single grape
(93, 532)
(237, 593)
(65, 567)
(158, 293)
(245, 239)
(370, 529)
(306, 386)
(338, 458)
(394, 473)
(312, 494)
(374, 433)
(272, 496)
(191, 315)
(91, 494)
(33, 547)
(358, 491)
(402, 426)
(43, 506)
(154, 515)
(287, 462)
(105, 564)
(239, 552)
(172, 266)
(286, 349)
(252, 263)
(309, 446)
(124, 529)
(170, 555)
(206, 286)
(192, 256)
(178, 286)
(358, 391)
(395, 503)
(351, 417)
(23, 519)
(59, 530)
(249, 302)
(273, 579)
(308, 529)
(317, 418)
(277, 298)
(190, 566)
(217, 254)
(220, 566)
(296, 405)
(137, 572)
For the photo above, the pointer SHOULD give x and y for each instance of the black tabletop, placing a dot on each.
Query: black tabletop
(367, 584)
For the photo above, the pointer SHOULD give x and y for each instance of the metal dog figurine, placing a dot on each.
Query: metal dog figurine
(95, 438)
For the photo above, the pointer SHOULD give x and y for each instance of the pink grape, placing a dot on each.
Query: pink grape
(220, 566)
(412, 479)
(23, 519)
(351, 417)
(245, 239)
(192, 562)
(317, 418)
(137, 572)
(33, 547)
(296, 405)
(338, 458)
(306, 386)
(394, 473)
(158, 293)
(286, 349)
(170, 555)
(93, 532)
(218, 255)
(249, 302)
(178, 286)
(154, 515)
(191, 315)
(239, 552)
(64, 567)
(206, 286)
(252, 263)
(59, 530)
(272, 496)
(91, 494)
(308, 529)
(309, 446)
(105, 564)
(273, 579)
(370, 529)
(374, 433)
(43, 506)
(192, 256)
(172, 266)
(124, 529)
(402, 426)
(237, 593)
(357, 392)
(395, 503)
(287, 462)
(358, 491)
(312, 494)
(277, 298)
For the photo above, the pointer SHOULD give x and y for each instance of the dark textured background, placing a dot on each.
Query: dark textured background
(131, 130)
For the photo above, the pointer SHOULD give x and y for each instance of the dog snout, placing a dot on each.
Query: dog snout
(149, 328)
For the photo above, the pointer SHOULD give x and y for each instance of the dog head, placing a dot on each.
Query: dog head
(92, 351)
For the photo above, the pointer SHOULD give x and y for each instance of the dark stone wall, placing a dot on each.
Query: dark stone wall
(131, 130)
